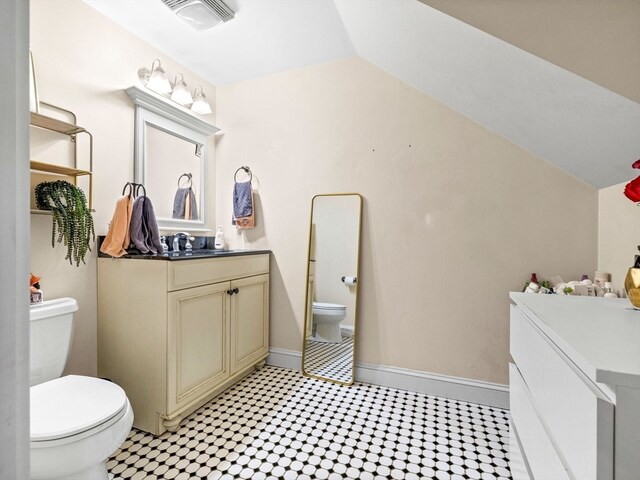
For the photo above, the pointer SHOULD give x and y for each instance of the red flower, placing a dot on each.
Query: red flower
(632, 189)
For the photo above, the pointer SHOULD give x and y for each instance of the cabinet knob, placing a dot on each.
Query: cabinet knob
(229, 292)
(235, 290)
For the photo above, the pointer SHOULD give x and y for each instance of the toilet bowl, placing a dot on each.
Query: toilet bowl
(77, 422)
(326, 321)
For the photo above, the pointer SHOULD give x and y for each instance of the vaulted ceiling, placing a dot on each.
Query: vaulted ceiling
(574, 122)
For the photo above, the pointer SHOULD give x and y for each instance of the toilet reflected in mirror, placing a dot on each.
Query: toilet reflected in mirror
(332, 287)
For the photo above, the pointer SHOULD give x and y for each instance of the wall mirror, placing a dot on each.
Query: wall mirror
(332, 288)
(171, 148)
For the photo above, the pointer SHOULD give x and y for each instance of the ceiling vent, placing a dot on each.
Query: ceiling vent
(201, 14)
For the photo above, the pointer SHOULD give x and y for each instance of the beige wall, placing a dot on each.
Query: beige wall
(454, 215)
(596, 39)
(83, 62)
(618, 233)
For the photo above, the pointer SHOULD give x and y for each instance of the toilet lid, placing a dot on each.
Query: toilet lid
(71, 405)
(328, 306)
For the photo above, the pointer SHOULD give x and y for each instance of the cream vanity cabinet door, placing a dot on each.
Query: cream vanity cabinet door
(197, 342)
(249, 320)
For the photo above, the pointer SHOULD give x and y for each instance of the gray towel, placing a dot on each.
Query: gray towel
(180, 203)
(144, 232)
(242, 201)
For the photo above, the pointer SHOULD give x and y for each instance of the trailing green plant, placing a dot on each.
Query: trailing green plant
(72, 220)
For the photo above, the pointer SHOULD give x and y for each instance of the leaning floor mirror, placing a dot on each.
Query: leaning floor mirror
(328, 350)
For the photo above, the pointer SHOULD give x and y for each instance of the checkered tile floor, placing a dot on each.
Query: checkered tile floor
(277, 424)
(330, 360)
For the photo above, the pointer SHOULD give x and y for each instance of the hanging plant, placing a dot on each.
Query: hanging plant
(72, 220)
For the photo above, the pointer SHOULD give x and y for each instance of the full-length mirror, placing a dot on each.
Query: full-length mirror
(332, 287)
(171, 160)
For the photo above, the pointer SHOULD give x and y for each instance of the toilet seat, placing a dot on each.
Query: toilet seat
(68, 408)
(328, 308)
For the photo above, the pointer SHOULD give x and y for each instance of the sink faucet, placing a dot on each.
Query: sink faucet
(176, 241)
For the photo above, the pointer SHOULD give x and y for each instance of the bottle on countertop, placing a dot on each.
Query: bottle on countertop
(531, 284)
(219, 241)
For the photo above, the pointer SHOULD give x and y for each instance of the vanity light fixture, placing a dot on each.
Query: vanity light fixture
(200, 103)
(181, 93)
(156, 79)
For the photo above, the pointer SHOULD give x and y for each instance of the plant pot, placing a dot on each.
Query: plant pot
(632, 286)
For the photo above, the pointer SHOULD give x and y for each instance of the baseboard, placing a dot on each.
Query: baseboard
(475, 391)
(347, 329)
(279, 357)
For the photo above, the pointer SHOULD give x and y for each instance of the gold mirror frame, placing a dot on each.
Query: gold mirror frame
(308, 310)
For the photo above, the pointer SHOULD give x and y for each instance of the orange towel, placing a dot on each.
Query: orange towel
(250, 221)
(117, 240)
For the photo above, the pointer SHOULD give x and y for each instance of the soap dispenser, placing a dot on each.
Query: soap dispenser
(219, 242)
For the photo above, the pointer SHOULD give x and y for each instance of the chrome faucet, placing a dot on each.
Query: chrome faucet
(176, 241)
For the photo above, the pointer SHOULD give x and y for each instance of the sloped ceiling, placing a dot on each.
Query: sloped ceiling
(583, 128)
(598, 40)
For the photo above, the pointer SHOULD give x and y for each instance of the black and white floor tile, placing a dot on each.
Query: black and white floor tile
(330, 360)
(277, 424)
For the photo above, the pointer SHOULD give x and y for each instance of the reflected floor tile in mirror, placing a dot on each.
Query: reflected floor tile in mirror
(277, 424)
(330, 360)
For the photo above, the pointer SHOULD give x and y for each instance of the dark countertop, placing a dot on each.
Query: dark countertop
(202, 248)
(194, 255)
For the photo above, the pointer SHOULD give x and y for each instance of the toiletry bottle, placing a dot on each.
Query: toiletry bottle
(534, 280)
(219, 242)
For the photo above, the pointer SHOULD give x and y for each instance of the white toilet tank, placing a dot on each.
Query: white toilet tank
(51, 331)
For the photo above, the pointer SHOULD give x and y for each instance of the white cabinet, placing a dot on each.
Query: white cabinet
(174, 334)
(566, 421)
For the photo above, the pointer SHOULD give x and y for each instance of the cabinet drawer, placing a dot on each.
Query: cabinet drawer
(517, 464)
(576, 414)
(538, 450)
(192, 273)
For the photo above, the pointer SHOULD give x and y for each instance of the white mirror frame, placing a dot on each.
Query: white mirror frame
(158, 112)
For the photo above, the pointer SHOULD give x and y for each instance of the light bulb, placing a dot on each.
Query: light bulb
(157, 80)
(181, 93)
(200, 104)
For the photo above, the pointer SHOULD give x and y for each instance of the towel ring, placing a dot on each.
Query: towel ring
(189, 179)
(246, 170)
(128, 184)
(138, 187)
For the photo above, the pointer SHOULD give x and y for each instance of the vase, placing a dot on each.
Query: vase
(632, 286)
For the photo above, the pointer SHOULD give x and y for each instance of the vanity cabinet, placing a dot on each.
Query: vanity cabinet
(174, 334)
(574, 388)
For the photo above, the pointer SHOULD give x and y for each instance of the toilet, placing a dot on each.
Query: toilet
(326, 321)
(77, 422)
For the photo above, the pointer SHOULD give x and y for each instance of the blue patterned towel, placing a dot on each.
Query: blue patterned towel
(242, 201)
